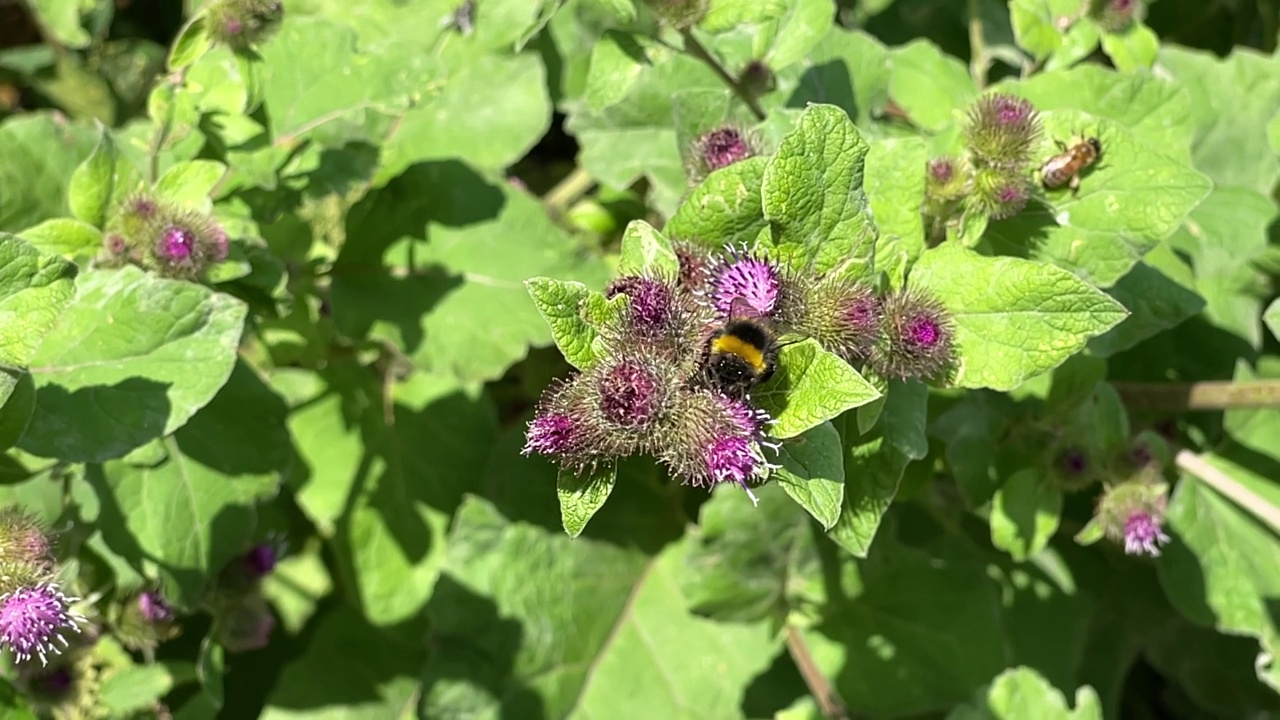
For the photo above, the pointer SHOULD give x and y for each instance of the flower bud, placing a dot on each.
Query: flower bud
(718, 149)
(999, 194)
(695, 267)
(242, 24)
(26, 551)
(679, 14)
(660, 313)
(915, 338)
(563, 429)
(68, 687)
(945, 180)
(1002, 131)
(242, 574)
(756, 78)
(1071, 467)
(145, 621)
(186, 244)
(1132, 513)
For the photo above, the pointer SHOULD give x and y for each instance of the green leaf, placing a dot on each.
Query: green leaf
(17, 404)
(1230, 147)
(895, 188)
(1219, 569)
(1025, 513)
(192, 42)
(134, 688)
(726, 14)
(812, 191)
(64, 236)
(41, 153)
(745, 560)
(562, 305)
(1155, 303)
(133, 358)
(725, 208)
(644, 249)
(1037, 23)
(320, 682)
(34, 291)
(810, 387)
(582, 495)
(1133, 49)
(972, 429)
(795, 31)
(456, 305)
(616, 63)
(876, 462)
(1271, 318)
(629, 627)
(1014, 318)
(932, 87)
(60, 19)
(190, 183)
(850, 70)
(361, 460)
(901, 601)
(1021, 692)
(96, 183)
(812, 472)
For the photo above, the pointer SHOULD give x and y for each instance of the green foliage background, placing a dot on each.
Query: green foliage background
(357, 375)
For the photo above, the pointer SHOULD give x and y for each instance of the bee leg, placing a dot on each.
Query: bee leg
(1074, 185)
(1061, 145)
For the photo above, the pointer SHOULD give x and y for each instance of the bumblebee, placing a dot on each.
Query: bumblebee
(740, 356)
(1065, 167)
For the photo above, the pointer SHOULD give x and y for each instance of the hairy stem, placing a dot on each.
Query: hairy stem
(830, 704)
(1213, 395)
(567, 191)
(697, 50)
(979, 62)
(1225, 485)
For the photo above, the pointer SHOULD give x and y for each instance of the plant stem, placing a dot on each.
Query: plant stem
(979, 62)
(1225, 485)
(1210, 395)
(567, 191)
(697, 50)
(830, 704)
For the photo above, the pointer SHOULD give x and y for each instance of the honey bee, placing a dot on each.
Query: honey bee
(1065, 167)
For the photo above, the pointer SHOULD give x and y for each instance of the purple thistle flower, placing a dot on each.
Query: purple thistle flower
(153, 607)
(1116, 15)
(718, 149)
(631, 394)
(941, 170)
(552, 434)
(733, 458)
(260, 560)
(753, 280)
(33, 619)
(1143, 533)
(695, 267)
(651, 303)
(177, 244)
(1011, 199)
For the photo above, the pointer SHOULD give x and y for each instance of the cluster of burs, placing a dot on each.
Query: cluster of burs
(683, 360)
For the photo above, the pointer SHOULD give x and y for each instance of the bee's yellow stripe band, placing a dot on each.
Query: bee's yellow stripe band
(735, 345)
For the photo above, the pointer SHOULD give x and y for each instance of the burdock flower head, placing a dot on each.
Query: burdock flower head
(1071, 466)
(26, 554)
(915, 337)
(843, 315)
(660, 313)
(716, 439)
(245, 624)
(243, 573)
(999, 193)
(945, 179)
(695, 267)
(242, 24)
(718, 149)
(1116, 15)
(34, 621)
(1132, 513)
(184, 245)
(1002, 131)
(145, 620)
(749, 284)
